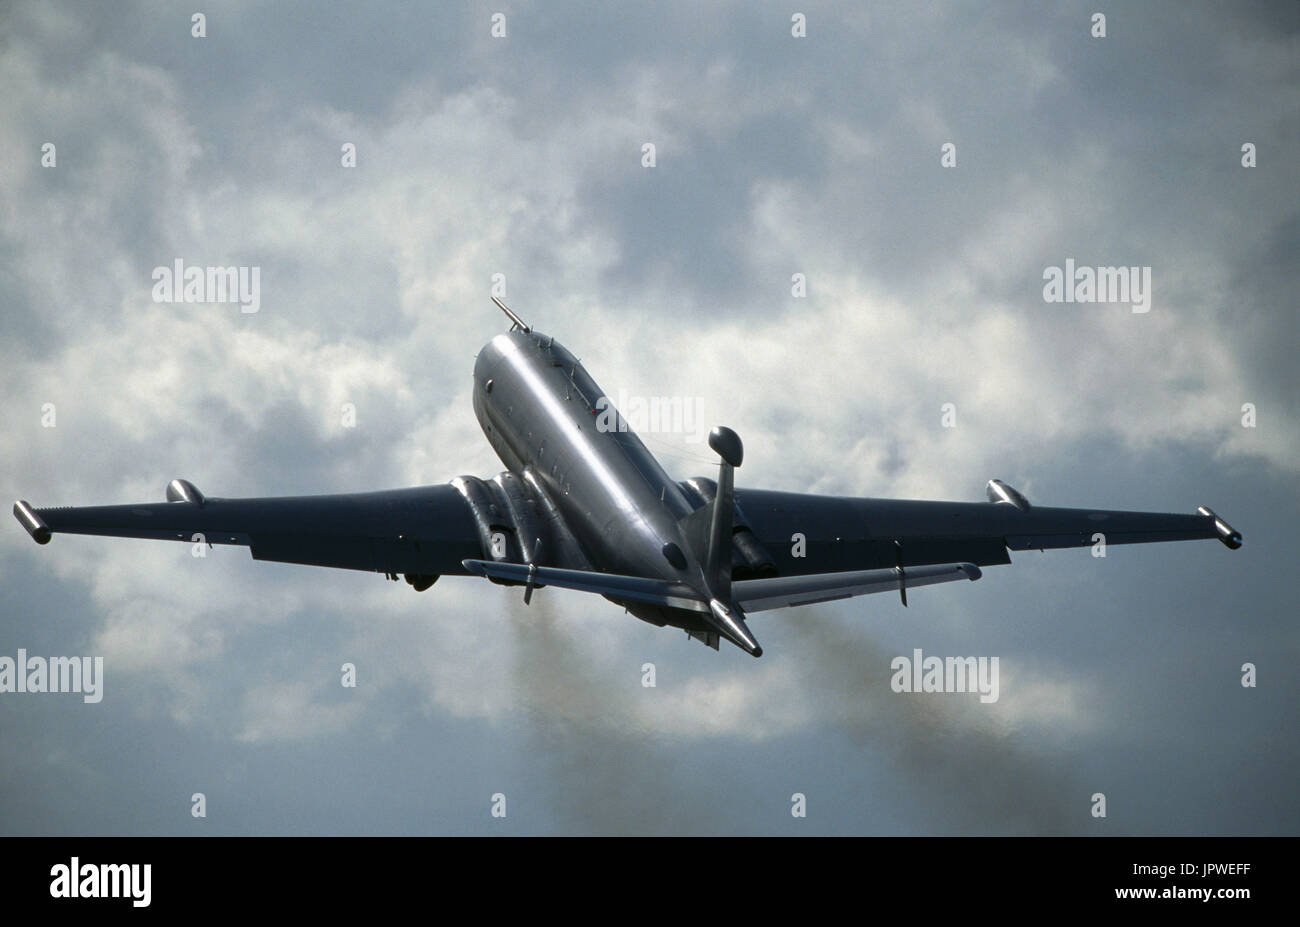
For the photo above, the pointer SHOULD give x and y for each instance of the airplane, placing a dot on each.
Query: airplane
(583, 505)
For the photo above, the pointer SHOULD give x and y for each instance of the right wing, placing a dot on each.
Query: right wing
(423, 532)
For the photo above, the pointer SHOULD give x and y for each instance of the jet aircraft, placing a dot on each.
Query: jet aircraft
(584, 505)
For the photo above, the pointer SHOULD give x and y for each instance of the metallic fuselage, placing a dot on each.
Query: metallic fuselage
(546, 418)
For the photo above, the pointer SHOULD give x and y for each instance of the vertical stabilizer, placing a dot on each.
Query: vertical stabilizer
(708, 531)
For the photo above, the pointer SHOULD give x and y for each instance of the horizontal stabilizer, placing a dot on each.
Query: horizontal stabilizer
(756, 595)
(615, 586)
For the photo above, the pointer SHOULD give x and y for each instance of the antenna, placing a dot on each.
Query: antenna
(513, 318)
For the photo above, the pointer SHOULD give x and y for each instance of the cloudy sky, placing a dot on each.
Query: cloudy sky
(775, 155)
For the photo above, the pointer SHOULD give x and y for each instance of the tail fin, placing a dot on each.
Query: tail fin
(708, 529)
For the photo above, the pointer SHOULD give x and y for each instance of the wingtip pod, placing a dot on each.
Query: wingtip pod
(33, 523)
(971, 570)
(1230, 537)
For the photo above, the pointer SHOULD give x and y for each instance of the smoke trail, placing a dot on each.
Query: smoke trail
(978, 779)
(605, 771)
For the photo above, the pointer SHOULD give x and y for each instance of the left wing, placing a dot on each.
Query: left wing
(810, 534)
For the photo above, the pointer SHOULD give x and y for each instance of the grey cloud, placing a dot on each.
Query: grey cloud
(521, 156)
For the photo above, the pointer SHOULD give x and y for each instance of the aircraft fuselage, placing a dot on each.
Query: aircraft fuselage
(542, 413)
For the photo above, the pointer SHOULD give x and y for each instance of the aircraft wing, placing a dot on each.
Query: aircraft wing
(422, 532)
(808, 534)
